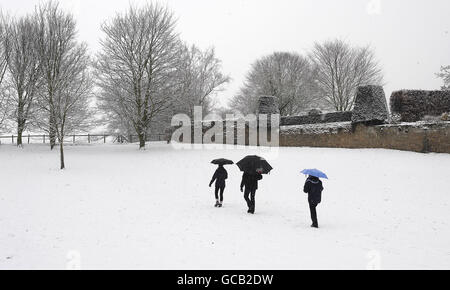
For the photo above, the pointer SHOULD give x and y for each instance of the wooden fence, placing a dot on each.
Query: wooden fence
(82, 139)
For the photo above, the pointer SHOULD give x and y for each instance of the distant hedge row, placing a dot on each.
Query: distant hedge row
(413, 106)
(317, 119)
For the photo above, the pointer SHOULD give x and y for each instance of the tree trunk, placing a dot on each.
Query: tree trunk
(52, 133)
(19, 137)
(141, 141)
(61, 153)
(20, 126)
(19, 133)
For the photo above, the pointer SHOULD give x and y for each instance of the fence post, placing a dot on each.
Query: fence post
(89, 138)
(28, 138)
(43, 137)
(104, 138)
(131, 139)
(12, 139)
(74, 139)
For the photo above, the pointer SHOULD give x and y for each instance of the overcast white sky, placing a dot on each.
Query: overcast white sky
(411, 37)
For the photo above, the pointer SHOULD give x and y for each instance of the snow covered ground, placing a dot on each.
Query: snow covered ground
(120, 208)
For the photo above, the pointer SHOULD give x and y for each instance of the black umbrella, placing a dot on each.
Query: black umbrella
(222, 161)
(253, 164)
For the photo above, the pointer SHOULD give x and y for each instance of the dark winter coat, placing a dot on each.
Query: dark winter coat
(313, 187)
(250, 181)
(219, 177)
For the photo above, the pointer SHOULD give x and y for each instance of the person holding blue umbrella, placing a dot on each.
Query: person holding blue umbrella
(313, 187)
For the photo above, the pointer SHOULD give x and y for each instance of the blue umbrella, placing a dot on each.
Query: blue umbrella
(315, 172)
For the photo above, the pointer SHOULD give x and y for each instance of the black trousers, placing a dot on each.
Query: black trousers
(249, 196)
(312, 209)
(219, 189)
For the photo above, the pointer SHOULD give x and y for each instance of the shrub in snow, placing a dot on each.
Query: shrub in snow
(317, 129)
(414, 105)
(314, 112)
(432, 119)
(267, 105)
(396, 118)
(334, 117)
(370, 106)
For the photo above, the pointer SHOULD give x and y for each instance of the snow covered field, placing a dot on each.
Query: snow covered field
(117, 207)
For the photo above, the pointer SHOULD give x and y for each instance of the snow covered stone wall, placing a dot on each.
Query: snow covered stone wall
(363, 128)
(418, 136)
(334, 117)
(413, 105)
(367, 125)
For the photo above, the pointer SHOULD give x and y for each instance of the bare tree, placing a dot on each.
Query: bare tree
(3, 68)
(444, 74)
(56, 41)
(137, 65)
(245, 102)
(70, 105)
(341, 69)
(63, 102)
(20, 47)
(286, 76)
(200, 77)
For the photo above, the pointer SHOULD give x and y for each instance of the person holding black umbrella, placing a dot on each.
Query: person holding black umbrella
(250, 182)
(253, 168)
(219, 178)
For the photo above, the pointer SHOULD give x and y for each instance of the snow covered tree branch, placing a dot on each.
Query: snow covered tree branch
(56, 39)
(63, 102)
(286, 76)
(23, 69)
(444, 74)
(3, 67)
(199, 77)
(341, 69)
(136, 68)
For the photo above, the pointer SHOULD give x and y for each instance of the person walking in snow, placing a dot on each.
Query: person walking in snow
(250, 182)
(313, 187)
(219, 177)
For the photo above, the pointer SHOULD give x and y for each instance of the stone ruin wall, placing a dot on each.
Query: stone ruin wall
(369, 125)
(419, 137)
